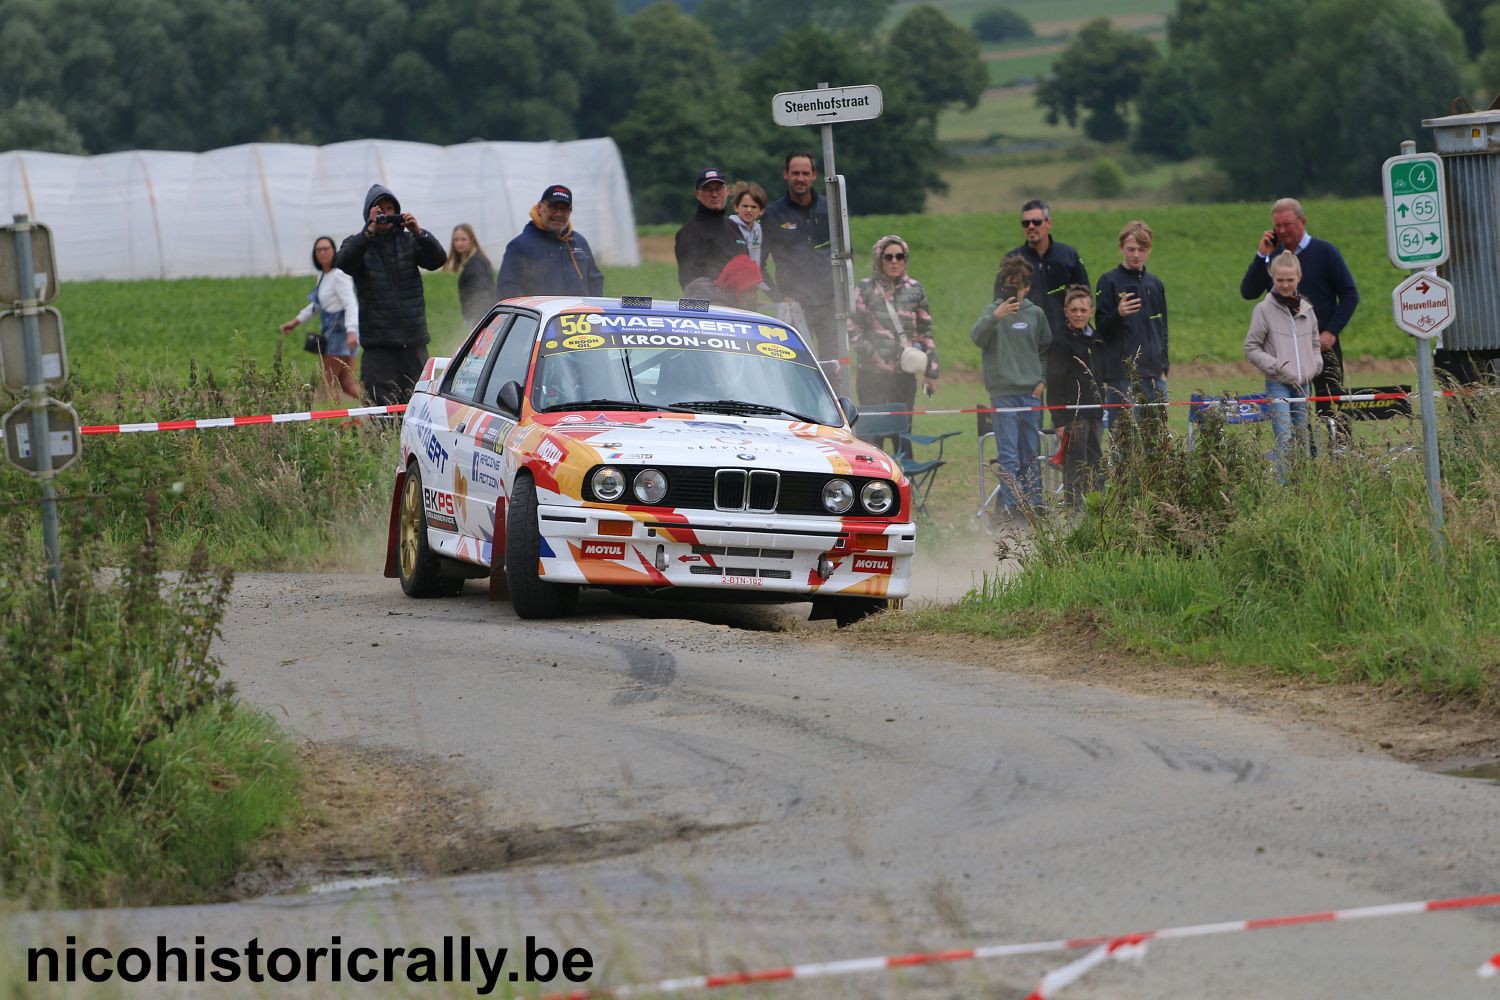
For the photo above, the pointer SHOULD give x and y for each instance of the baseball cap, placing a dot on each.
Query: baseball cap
(709, 176)
(557, 193)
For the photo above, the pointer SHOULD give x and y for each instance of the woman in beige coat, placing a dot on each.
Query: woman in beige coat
(1282, 343)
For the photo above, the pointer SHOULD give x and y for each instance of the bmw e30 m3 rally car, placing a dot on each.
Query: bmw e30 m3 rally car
(643, 447)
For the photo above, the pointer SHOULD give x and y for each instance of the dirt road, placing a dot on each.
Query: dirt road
(691, 789)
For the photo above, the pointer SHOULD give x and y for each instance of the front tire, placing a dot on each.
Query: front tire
(530, 595)
(421, 569)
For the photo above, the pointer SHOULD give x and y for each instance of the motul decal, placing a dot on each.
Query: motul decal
(874, 564)
(603, 550)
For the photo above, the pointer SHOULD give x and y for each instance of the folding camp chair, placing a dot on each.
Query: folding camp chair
(878, 422)
(1048, 461)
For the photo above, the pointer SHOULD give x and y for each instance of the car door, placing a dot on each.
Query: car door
(487, 425)
(451, 504)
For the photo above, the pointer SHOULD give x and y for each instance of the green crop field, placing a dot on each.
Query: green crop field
(115, 328)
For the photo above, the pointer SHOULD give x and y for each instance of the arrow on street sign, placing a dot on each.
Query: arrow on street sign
(1423, 305)
(1416, 214)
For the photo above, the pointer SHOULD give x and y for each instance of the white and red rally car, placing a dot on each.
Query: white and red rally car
(647, 447)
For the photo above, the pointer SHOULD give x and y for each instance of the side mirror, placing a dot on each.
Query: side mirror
(510, 396)
(851, 412)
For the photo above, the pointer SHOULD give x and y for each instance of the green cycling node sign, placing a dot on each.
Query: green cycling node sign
(1416, 214)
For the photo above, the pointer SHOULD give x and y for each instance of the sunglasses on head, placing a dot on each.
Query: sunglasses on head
(1028, 223)
(893, 256)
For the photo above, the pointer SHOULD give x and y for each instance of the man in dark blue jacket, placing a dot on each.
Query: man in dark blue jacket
(798, 247)
(549, 257)
(1326, 283)
(1054, 267)
(383, 258)
(1131, 318)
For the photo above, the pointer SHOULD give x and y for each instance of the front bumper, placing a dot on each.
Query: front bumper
(715, 550)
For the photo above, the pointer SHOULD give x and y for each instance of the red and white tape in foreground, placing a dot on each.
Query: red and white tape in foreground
(1104, 946)
(1491, 966)
(264, 418)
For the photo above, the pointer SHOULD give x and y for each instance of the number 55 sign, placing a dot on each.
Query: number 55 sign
(1416, 216)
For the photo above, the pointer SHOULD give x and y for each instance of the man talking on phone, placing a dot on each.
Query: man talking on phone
(1326, 283)
(1131, 319)
(1054, 266)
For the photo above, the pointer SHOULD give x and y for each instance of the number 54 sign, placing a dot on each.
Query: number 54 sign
(1416, 214)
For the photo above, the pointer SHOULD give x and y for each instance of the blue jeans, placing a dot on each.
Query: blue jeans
(1016, 437)
(1287, 420)
(1118, 390)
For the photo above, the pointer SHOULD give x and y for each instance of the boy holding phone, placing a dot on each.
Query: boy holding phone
(1013, 338)
(1132, 321)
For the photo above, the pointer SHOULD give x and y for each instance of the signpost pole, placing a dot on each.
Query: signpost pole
(838, 257)
(41, 431)
(1429, 443)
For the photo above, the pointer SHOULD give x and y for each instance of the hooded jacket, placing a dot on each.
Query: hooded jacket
(874, 338)
(1284, 344)
(541, 262)
(392, 310)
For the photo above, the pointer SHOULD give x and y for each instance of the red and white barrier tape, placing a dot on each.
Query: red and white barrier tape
(1214, 401)
(264, 418)
(372, 411)
(1105, 946)
(1491, 966)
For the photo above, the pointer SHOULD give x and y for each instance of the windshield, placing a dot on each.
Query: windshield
(697, 363)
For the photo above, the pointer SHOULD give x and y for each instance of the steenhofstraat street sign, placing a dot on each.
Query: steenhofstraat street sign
(1416, 214)
(827, 106)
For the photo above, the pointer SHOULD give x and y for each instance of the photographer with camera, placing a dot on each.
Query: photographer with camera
(383, 258)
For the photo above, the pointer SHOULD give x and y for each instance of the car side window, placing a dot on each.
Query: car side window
(470, 367)
(512, 362)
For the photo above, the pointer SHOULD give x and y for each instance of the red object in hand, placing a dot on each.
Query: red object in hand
(1062, 448)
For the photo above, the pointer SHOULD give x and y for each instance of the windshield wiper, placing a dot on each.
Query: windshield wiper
(610, 404)
(740, 406)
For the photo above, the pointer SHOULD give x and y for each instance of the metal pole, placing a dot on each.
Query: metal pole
(41, 431)
(838, 258)
(1429, 444)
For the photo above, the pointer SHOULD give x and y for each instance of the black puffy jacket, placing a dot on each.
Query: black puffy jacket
(392, 309)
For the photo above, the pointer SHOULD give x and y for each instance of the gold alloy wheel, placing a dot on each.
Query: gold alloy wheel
(411, 525)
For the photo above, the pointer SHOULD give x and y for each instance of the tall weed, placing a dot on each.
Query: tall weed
(1332, 574)
(126, 771)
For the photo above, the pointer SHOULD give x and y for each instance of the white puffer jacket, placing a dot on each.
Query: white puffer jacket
(1283, 344)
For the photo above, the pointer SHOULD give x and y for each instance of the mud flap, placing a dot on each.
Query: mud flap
(392, 567)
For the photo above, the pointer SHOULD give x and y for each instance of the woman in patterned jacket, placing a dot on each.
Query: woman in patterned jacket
(889, 325)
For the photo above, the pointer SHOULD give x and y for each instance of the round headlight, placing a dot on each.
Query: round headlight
(650, 486)
(838, 496)
(877, 497)
(608, 483)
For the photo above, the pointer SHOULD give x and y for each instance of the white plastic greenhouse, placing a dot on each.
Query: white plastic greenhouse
(256, 209)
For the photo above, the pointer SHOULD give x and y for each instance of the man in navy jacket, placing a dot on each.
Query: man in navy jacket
(1326, 283)
(549, 257)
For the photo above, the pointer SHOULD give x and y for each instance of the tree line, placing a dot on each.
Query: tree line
(1303, 96)
(678, 91)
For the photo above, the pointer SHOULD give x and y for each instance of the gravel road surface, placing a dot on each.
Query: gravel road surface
(761, 793)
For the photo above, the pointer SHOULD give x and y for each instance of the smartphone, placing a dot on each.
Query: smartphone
(1132, 290)
(1007, 292)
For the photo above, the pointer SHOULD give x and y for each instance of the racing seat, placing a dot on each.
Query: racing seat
(878, 422)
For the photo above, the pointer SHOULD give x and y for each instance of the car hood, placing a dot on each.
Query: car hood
(716, 441)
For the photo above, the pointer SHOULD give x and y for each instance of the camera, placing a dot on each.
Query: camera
(388, 220)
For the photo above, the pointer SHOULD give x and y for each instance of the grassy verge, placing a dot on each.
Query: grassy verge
(127, 772)
(1204, 556)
